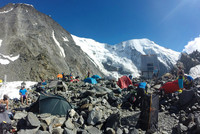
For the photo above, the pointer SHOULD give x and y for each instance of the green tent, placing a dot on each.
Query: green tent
(53, 104)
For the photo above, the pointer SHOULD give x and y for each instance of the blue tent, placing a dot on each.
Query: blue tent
(90, 80)
(96, 77)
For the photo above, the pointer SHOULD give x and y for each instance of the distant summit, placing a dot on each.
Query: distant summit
(125, 58)
(34, 47)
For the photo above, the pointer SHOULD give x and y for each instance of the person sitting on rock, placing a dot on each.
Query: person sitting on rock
(5, 101)
(23, 95)
(188, 82)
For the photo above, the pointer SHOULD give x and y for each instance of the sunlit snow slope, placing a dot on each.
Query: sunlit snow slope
(125, 58)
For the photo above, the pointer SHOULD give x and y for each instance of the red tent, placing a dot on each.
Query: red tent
(170, 87)
(124, 82)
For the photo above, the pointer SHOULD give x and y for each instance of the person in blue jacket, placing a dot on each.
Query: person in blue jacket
(141, 91)
(23, 95)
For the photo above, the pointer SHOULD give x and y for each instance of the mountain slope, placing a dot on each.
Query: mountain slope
(34, 47)
(125, 58)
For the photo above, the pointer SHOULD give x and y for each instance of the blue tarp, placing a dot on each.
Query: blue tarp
(90, 80)
(96, 77)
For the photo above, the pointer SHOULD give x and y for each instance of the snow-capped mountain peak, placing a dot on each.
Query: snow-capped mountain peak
(125, 58)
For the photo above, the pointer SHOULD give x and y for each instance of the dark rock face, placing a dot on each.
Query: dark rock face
(190, 60)
(43, 46)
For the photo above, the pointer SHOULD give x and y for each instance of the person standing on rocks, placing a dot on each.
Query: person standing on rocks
(88, 75)
(180, 74)
(130, 77)
(141, 91)
(155, 73)
(23, 95)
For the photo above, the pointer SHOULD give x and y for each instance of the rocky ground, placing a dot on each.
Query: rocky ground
(100, 109)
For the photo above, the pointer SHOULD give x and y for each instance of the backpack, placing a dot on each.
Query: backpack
(5, 127)
(2, 108)
(132, 97)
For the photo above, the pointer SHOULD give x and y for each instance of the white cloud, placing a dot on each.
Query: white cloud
(192, 46)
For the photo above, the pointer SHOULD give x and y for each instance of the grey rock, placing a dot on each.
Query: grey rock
(57, 131)
(94, 117)
(48, 119)
(119, 131)
(197, 121)
(110, 131)
(32, 120)
(42, 132)
(189, 61)
(126, 131)
(191, 125)
(164, 132)
(93, 130)
(19, 115)
(44, 126)
(113, 121)
(194, 108)
(133, 131)
(28, 131)
(72, 112)
(81, 120)
(69, 124)
(182, 128)
(69, 131)
(57, 122)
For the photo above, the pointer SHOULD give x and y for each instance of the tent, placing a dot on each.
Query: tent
(124, 82)
(90, 80)
(53, 104)
(170, 87)
(1, 82)
(96, 77)
(58, 85)
(60, 76)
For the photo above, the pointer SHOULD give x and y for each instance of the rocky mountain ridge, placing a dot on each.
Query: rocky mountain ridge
(41, 46)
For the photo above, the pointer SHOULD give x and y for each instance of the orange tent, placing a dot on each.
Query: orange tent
(124, 82)
(60, 76)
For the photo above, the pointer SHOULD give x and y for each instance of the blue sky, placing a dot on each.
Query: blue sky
(169, 23)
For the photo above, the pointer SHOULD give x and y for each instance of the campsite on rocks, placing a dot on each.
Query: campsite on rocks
(53, 82)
